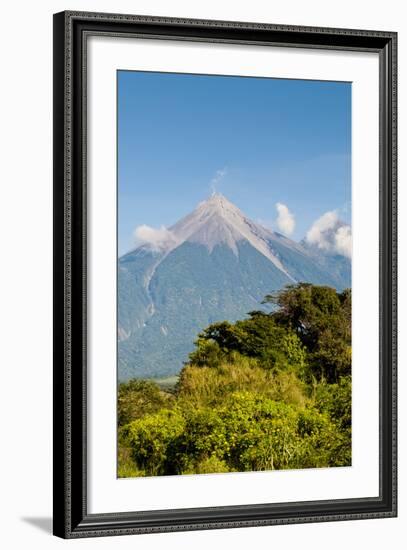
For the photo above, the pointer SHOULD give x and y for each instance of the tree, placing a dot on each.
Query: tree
(138, 397)
(321, 317)
(260, 337)
(272, 391)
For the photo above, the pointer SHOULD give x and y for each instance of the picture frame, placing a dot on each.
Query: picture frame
(72, 517)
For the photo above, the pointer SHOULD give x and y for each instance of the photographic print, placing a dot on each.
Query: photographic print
(234, 274)
(234, 244)
(225, 274)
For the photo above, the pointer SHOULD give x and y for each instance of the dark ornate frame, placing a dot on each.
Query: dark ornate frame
(71, 518)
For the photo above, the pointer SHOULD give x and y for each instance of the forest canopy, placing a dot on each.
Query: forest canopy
(272, 391)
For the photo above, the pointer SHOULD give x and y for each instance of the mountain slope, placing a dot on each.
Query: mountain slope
(212, 265)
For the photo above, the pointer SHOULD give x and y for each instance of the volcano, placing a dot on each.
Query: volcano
(214, 264)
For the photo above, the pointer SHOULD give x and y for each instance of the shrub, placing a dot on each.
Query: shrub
(336, 401)
(137, 398)
(269, 392)
(202, 386)
(259, 337)
(152, 441)
(211, 465)
(321, 318)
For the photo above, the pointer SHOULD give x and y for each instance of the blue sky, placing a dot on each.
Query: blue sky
(263, 140)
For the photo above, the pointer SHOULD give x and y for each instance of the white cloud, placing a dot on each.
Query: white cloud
(158, 239)
(217, 178)
(343, 241)
(285, 219)
(319, 232)
(331, 235)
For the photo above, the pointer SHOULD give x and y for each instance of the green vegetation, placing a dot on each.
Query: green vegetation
(272, 391)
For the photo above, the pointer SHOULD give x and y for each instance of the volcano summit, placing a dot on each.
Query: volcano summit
(214, 264)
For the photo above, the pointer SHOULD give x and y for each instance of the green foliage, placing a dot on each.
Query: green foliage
(126, 465)
(336, 400)
(272, 391)
(321, 317)
(207, 353)
(204, 386)
(137, 398)
(211, 465)
(260, 337)
(246, 432)
(152, 440)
